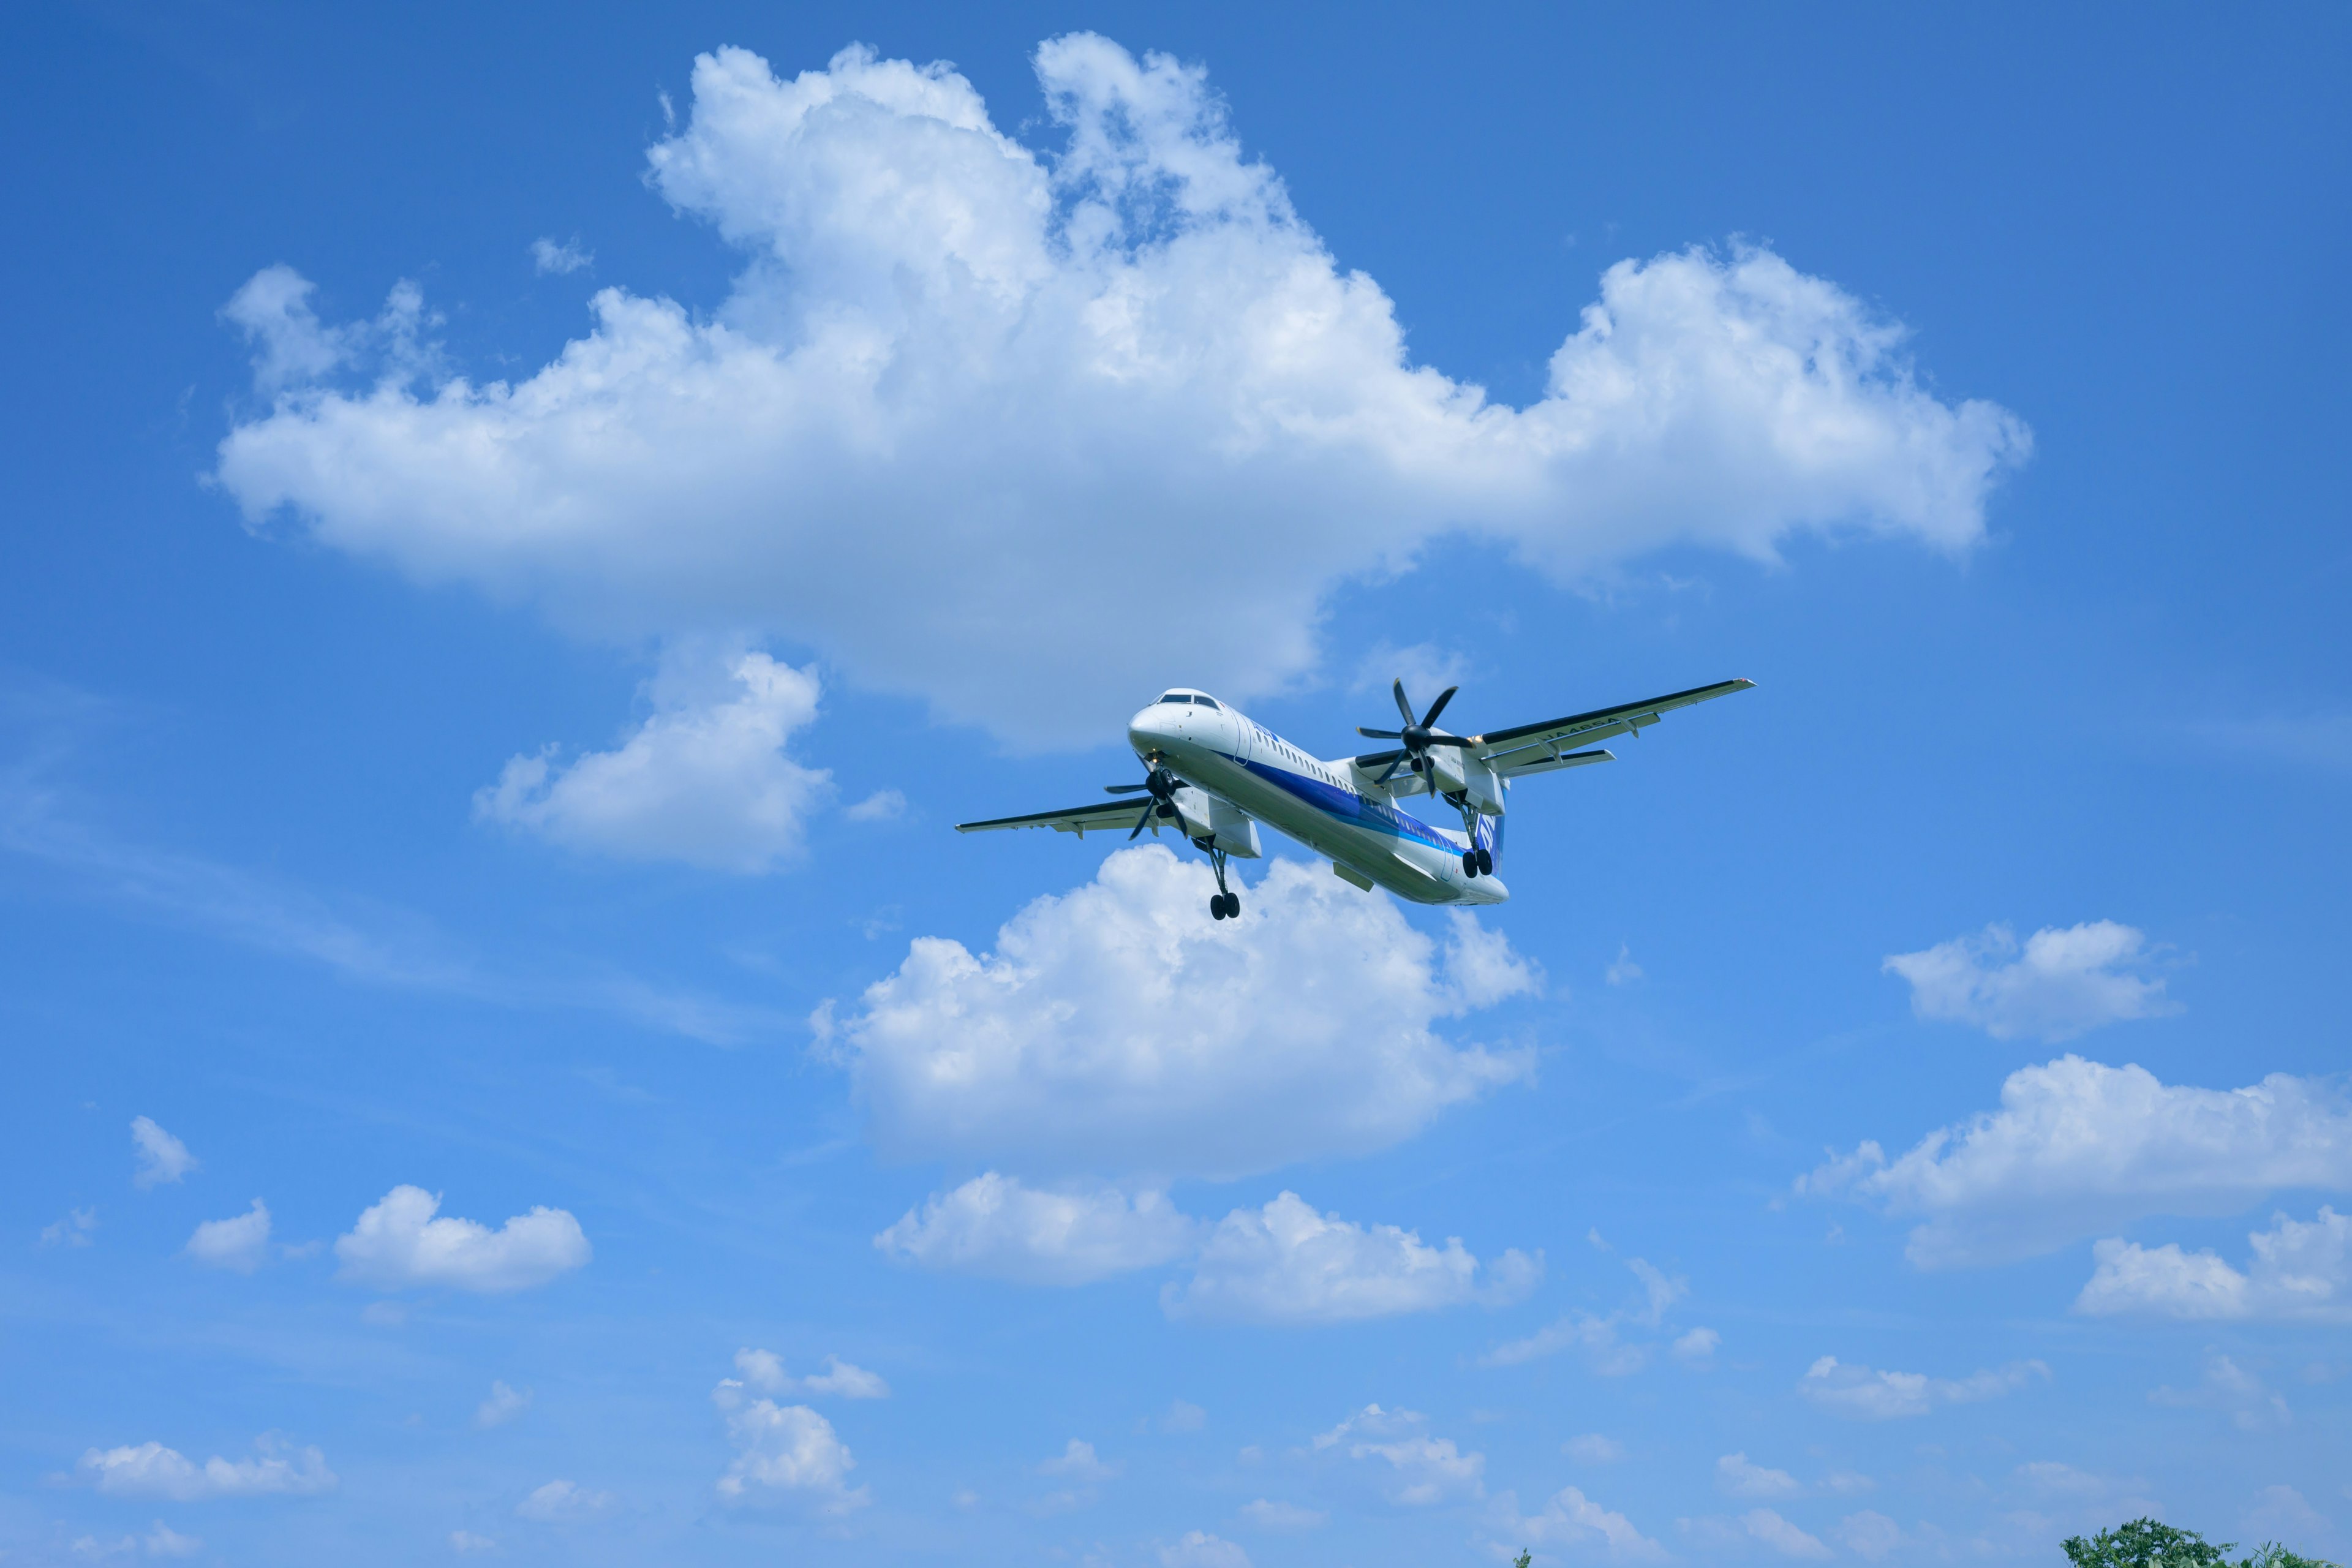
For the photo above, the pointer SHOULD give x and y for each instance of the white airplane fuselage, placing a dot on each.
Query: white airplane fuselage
(1224, 753)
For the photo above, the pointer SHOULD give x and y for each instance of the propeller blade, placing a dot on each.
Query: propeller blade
(1141, 820)
(1437, 707)
(1374, 759)
(1380, 734)
(1393, 765)
(1452, 739)
(1123, 789)
(1403, 707)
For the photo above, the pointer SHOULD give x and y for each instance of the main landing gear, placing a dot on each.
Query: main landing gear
(1477, 863)
(1226, 905)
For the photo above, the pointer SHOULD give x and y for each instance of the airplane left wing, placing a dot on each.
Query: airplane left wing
(1111, 816)
(1539, 748)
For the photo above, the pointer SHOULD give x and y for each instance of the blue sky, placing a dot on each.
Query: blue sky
(521, 544)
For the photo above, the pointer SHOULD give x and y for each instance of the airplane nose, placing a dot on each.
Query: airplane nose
(1149, 729)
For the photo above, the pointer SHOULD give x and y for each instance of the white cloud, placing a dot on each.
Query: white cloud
(1571, 1520)
(1765, 1525)
(2078, 1148)
(1592, 1449)
(149, 1469)
(2299, 1272)
(1870, 1534)
(503, 1405)
(548, 256)
(1867, 1395)
(882, 806)
(239, 1243)
(1421, 1469)
(563, 1502)
(994, 1226)
(1735, 1476)
(1287, 1264)
(1183, 1417)
(705, 780)
(399, 1243)
(1847, 1483)
(947, 358)
(1079, 1462)
(2282, 1513)
(1267, 1514)
(2063, 983)
(1622, 970)
(161, 1157)
(764, 1370)
(2233, 1390)
(1697, 1347)
(1200, 1549)
(1115, 1028)
(1600, 1337)
(74, 1230)
(466, 1543)
(786, 1454)
(162, 1540)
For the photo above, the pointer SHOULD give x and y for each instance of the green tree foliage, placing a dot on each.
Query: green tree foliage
(2145, 1543)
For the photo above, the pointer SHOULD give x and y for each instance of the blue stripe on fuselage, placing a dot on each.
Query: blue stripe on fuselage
(1347, 806)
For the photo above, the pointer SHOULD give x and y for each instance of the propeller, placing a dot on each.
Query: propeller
(1160, 785)
(1418, 734)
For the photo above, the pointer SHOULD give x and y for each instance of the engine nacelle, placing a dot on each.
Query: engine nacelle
(1226, 825)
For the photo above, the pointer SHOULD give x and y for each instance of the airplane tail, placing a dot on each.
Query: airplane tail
(1486, 832)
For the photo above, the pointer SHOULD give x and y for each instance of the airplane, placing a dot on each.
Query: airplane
(1212, 774)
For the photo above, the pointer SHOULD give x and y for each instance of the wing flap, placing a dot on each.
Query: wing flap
(1538, 760)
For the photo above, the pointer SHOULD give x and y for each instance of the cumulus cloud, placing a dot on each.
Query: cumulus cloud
(1697, 1347)
(1197, 1549)
(161, 1157)
(548, 256)
(563, 1502)
(239, 1243)
(162, 1540)
(503, 1405)
(948, 358)
(1575, 1521)
(1282, 1263)
(764, 1370)
(75, 1229)
(149, 1469)
(705, 780)
(2235, 1391)
(1267, 1514)
(2078, 1148)
(398, 1244)
(996, 1227)
(2062, 983)
(2299, 1270)
(1602, 1336)
(1113, 1029)
(1765, 1525)
(1867, 1395)
(786, 1454)
(1593, 1449)
(1869, 1534)
(1078, 1462)
(1737, 1477)
(1421, 1470)
(1285, 1263)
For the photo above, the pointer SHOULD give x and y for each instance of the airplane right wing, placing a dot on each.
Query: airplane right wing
(1118, 815)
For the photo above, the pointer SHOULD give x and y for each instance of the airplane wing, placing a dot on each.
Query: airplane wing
(1111, 816)
(1539, 748)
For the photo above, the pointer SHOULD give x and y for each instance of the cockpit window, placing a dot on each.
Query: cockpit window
(1174, 697)
(1206, 701)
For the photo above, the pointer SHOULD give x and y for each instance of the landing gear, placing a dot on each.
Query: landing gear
(1469, 862)
(1485, 861)
(1226, 905)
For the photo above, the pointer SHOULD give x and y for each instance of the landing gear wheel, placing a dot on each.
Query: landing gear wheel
(1233, 906)
(1486, 862)
(1469, 862)
(1217, 905)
